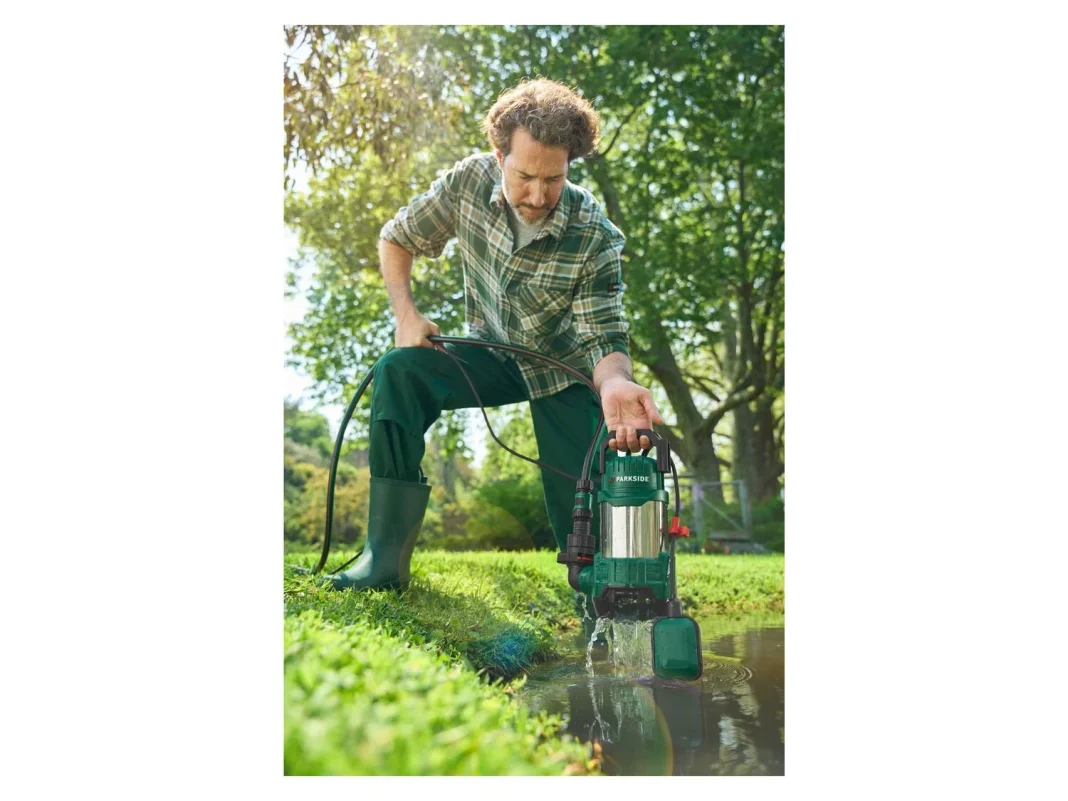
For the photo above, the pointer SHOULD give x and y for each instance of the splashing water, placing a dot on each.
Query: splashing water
(632, 646)
(602, 624)
(582, 603)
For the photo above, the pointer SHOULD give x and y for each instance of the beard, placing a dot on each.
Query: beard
(542, 214)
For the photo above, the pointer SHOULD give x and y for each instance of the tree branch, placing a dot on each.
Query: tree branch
(732, 401)
(619, 130)
(715, 356)
(703, 384)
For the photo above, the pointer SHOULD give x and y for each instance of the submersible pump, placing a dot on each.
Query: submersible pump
(632, 572)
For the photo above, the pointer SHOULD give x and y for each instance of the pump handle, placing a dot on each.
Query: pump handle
(663, 450)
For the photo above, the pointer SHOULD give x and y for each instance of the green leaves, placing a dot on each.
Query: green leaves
(691, 168)
(359, 701)
(388, 683)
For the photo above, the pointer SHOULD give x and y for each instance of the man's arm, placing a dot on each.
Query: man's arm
(422, 228)
(627, 406)
(598, 311)
(614, 365)
(412, 327)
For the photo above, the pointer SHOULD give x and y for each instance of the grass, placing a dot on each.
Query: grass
(418, 681)
(360, 702)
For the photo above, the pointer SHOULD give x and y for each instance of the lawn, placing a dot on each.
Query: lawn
(421, 680)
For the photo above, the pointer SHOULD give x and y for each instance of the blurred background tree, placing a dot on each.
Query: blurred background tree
(690, 167)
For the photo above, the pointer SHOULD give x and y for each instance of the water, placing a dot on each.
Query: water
(598, 629)
(729, 722)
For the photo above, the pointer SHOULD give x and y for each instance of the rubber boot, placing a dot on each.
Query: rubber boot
(395, 515)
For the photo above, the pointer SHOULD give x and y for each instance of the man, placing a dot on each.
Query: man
(542, 271)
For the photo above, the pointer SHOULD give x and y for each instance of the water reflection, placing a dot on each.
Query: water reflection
(730, 722)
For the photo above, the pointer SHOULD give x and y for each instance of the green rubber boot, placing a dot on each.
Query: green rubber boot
(395, 515)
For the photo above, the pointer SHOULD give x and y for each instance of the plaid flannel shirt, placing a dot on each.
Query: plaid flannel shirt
(561, 295)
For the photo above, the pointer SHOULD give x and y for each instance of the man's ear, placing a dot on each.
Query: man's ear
(500, 158)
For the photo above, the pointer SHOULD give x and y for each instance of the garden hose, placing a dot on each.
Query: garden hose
(434, 339)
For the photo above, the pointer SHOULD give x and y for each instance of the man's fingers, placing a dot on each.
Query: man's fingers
(632, 441)
(627, 438)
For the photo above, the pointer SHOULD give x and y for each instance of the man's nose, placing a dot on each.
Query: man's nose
(537, 196)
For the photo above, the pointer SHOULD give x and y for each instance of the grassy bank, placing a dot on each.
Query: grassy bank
(394, 682)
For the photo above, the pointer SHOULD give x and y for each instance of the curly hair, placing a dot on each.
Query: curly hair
(550, 112)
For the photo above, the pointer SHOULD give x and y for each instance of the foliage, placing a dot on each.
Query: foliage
(731, 585)
(306, 472)
(691, 168)
(465, 602)
(513, 426)
(386, 682)
(768, 518)
(523, 501)
(353, 90)
(769, 524)
(309, 429)
(492, 517)
(360, 701)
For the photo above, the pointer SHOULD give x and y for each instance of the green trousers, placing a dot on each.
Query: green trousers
(412, 386)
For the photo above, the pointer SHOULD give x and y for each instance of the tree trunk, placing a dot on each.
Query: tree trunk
(743, 452)
(756, 459)
(696, 449)
(693, 438)
(448, 475)
(766, 447)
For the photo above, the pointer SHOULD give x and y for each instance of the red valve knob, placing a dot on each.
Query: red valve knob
(677, 530)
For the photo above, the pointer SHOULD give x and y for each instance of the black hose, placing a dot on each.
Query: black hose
(457, 340)
(678, 514)
(334, 459)
(478, 399)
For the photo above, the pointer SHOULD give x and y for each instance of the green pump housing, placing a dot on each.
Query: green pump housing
(628, 570)
(630, 566)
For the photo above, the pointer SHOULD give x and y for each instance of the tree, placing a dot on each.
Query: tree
(308, 428)
(690, 168)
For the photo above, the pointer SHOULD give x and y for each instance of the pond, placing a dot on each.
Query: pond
(728, 722)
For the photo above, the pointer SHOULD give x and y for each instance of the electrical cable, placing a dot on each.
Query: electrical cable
(678, 513)
(478, 399)
(434, 338)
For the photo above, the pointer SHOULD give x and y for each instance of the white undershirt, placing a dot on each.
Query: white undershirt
(524, 231)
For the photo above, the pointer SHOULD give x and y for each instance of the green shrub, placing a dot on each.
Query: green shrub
(524, 502)
(389, 681)
(769, 524)
(501, 516)
(359, 701)
(304, 501)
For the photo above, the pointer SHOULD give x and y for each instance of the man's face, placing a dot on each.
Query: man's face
(534, 176)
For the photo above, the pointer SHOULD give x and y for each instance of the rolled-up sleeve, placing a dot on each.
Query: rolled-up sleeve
(428, 222)
(598, 304)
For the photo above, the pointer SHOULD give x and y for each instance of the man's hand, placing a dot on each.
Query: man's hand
(628, 407)
(412, 331)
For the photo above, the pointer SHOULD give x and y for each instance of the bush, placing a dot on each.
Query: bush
(304, 503)
(502, 516)
(524, 502)
(359, 702)
(769, 524)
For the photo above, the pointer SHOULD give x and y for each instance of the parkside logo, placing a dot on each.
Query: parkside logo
(631, 478)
